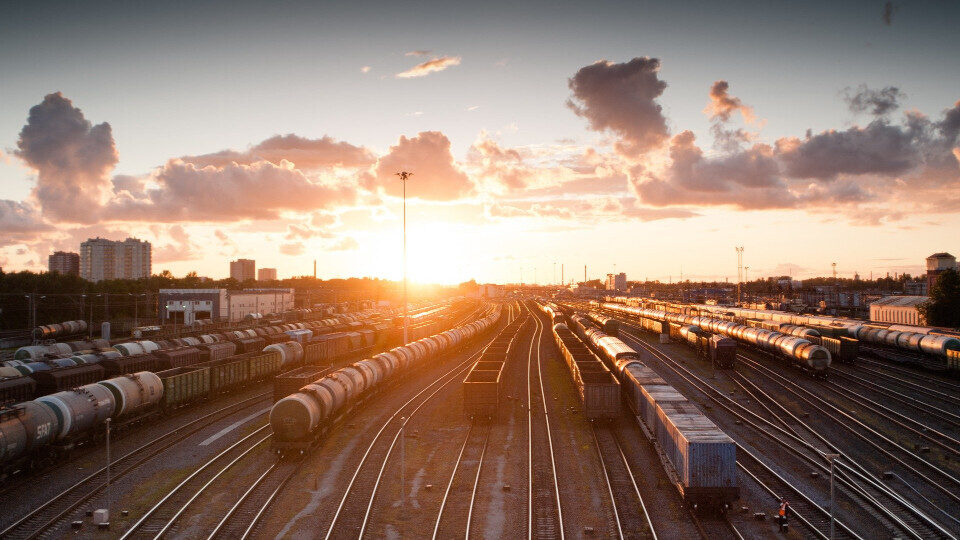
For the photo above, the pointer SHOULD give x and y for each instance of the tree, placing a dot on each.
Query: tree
(943, 308)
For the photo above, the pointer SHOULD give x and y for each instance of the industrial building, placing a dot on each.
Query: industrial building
(243, 270)
(937, 264)
(267, 274)
(898, 310)
(102, 259)
(64, 262)
(186, 305)
(616, 282)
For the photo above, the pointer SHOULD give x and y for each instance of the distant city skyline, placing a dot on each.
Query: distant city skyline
(630, 137)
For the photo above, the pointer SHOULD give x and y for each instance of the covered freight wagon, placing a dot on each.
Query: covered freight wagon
(723, 351)
(705, 458)
(55, 380)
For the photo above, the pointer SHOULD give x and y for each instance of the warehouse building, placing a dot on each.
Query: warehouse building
(898, 310)
(186, 305)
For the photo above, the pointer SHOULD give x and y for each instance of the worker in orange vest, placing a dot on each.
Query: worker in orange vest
(782, 514)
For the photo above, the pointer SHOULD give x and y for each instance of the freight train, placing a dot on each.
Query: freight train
(300, 420)
(59, 330)
(141, 386)
(797, 351)
(928, 341)
(597, 387)
(699, 458)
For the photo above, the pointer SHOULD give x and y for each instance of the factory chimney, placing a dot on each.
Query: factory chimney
(314, 269)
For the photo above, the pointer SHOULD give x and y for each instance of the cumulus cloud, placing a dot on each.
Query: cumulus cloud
(438, 63)
(722, 104)
(876, 102)
(878, 148)
(748, 179)
(303, 152)
(187, 192)
(436, 176)
(502, 165)
(622, 98)
(72, 158)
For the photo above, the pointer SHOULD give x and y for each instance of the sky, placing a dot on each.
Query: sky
(638, 137)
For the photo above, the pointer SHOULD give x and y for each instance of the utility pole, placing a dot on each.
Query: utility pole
(406, 320)
(831, 458)
(739, 269)
(561, 273)
(584, 273)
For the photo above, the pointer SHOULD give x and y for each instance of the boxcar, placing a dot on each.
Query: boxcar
(216, 351)
(705, 458)
(179, 356)
(17, 389)
(64, 378)
(723, 351)
(115, 367)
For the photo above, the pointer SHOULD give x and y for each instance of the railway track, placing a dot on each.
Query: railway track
(162, 518)
(544, 509)
(455, 517)
(59, 508)
(925, 387)
(854, 478)
(855, 475)
(354, 511)
(947, 483)
(629, 509)
(898, 514)
(759, 469)
(242, 518)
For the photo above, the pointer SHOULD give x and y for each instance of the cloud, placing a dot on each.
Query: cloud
(877, 102)
(365, 69)
(180, 247)
(72, 158)
(502, 165)
(621, 98)
(878, 148)
(346, 243)
(722, 104)
(747, 179)
(473, 107)
(888, 10)
(417, 53)
(303, 152)
(436, 176)
(292, 248)
(187, 192)
(435, 64)
(19, 222)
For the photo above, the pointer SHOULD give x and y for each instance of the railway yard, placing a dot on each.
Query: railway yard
(522, 418)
